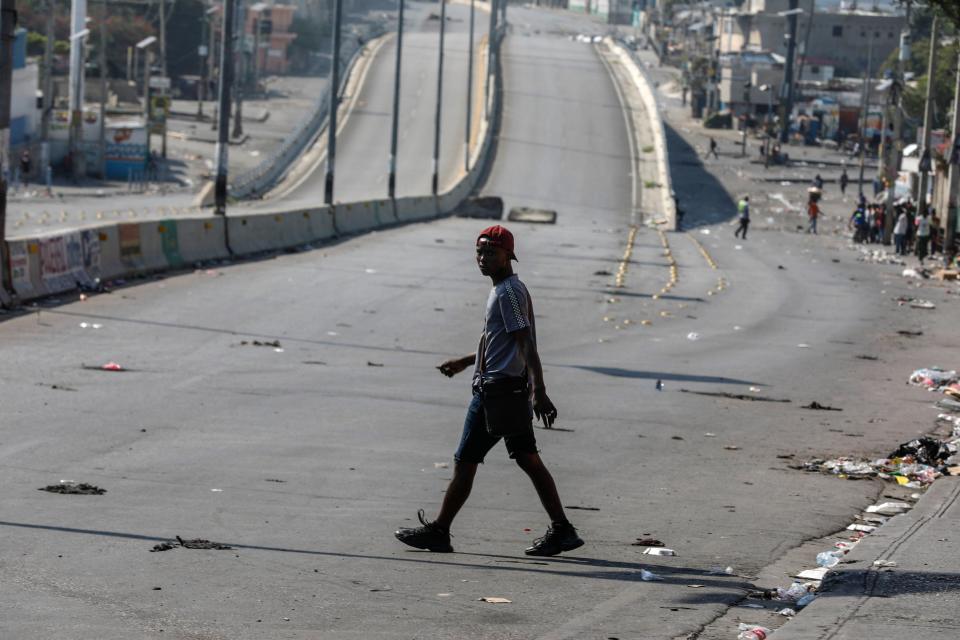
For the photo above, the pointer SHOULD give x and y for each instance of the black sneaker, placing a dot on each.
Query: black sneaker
(559, 538)
(430, 536)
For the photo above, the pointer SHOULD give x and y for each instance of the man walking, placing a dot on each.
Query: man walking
(743, 210)
(506, 364)
(844, 181)
(813, 212)
(713, 149)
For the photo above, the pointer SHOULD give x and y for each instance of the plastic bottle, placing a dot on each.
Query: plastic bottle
(753, 632)
(793, 592)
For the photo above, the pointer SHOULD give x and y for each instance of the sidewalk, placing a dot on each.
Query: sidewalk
(861, 600)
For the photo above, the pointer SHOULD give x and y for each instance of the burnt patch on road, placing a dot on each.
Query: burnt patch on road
(74, 489)
(816, 406)
(734, 396)
(194, 543)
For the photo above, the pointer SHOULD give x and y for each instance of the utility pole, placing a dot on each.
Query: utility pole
(864, 112)
(211, 70)
(47, 91)
(435, 165)
(226, 79)
(202, 54)
(78, 31)
(241, 68)
(334, 94)
(102, 63)
(892, 167)
(786, 94)
(392, 176)
(466, 151)
(8, 26)
(925, 156)
(491, 55)
(163, 37)
(949, 235)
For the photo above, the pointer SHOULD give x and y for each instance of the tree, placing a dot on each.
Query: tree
(944, 79)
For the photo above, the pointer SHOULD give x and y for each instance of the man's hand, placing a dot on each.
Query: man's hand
(543, 408)
(454, 366)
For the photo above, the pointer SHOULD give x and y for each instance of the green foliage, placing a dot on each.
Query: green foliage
(35, 43)
(61, 47)
(944, 79)
(949, 9)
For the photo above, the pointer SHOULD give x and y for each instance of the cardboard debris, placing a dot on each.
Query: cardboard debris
(812, 574)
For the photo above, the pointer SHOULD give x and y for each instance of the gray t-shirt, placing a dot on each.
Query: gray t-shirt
(508, 310)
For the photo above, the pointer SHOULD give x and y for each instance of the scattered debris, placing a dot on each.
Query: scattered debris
(864, 356)
(649, 576)
(813, 574)
(933, 378)
(693, 336)
(163, 546)
(659, 551)
(494, 600)
(274, 480)
(573, 506)
(906, 332)
(720, 571)
(884, 564)
(816, 406)
(199, 543)
(752, 632)
(262, 343)
(731, 447)
(889, 508)
(647, 542)
(374, 364)
(733, 396)
(602, 272)
(69, 487)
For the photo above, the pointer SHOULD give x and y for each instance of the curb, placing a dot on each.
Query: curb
(845, 592)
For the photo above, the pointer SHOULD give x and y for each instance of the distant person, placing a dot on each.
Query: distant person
(813, 212)
(900, 229)
(818, 182)
(26, 165)
(877, 186)
(713, 149)
(844, 181)
(506, 363)
(743, 213)
(923, 237)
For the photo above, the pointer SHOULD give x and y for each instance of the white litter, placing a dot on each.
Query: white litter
(812, 574)
(888, 508)
(659, 551)
(648, 576)
(864, 528)
(693, 336)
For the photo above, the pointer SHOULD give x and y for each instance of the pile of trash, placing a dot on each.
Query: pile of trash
(878, 256)
(915, 464)
(936, 379)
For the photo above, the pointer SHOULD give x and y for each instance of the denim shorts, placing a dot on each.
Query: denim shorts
(476, 442)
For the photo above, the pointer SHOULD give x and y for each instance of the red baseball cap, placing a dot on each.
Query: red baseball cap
(498, 236)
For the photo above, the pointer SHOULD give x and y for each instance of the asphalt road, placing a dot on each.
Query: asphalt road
(306, 460)
(363, 146)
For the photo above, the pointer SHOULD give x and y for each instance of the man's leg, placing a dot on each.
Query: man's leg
(543, 482)
(457, 493)
(561, 535)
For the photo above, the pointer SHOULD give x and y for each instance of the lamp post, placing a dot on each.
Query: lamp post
(334, 94)
(77, 159)
(435, 178)
(392, 175)
(144, 46)
(768, 121)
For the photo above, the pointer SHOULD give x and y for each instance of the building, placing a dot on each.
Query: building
(268, 30)
(613, 11)
(845, 35)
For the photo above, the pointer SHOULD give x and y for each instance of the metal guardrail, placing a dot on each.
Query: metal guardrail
(262, 176)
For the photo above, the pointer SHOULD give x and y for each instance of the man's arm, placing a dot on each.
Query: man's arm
(454, 366)
(542, 406)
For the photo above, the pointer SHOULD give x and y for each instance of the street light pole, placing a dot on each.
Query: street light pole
(334, 94)
(896, 145)
(949, 235)
(77, 156)
(864, 113)
(435, 179)
(226, 79)
(786, 95)
(925, 156)
(102, 63)
(8, 26)
(392, 176)
(466, 151)
(491, 55)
